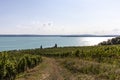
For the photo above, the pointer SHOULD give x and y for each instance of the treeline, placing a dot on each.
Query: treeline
(13, 64)
(112, 41)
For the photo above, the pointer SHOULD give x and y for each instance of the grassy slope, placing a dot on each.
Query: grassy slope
(82, 63)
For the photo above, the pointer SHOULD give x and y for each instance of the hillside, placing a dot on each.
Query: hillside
(66, 63)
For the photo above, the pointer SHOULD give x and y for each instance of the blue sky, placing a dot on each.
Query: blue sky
(59, 16)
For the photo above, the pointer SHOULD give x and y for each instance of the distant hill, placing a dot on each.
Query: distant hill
(89, 35)
(112, 41)
(83, 35)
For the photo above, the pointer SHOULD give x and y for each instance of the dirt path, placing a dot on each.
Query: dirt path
(54, 70)
(49, 69)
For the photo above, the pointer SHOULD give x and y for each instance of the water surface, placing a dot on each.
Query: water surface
(11, 43)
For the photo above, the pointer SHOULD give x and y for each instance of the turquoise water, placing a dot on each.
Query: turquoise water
(11, 43)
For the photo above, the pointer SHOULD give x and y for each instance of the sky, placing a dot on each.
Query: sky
(55, 17)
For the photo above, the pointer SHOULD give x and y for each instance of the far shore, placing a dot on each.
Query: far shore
(32, 35)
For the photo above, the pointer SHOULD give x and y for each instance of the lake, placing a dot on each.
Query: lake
(11, 43)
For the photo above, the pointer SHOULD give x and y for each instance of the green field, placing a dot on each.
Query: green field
(62, 63)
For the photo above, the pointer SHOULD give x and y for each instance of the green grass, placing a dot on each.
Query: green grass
(91, 68)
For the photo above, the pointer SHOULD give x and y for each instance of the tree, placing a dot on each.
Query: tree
(55, 46)
(41, 47)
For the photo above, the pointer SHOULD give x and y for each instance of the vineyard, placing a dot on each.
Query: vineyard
(12, 64)
(95, 62)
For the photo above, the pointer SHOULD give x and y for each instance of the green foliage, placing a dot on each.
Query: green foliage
(11, 65)
(27, 62)
(99, 71)
(7, 68)
(111, 41)
(17, 61)
(77, 53)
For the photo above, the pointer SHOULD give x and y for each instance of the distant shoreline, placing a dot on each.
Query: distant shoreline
(59, 35)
